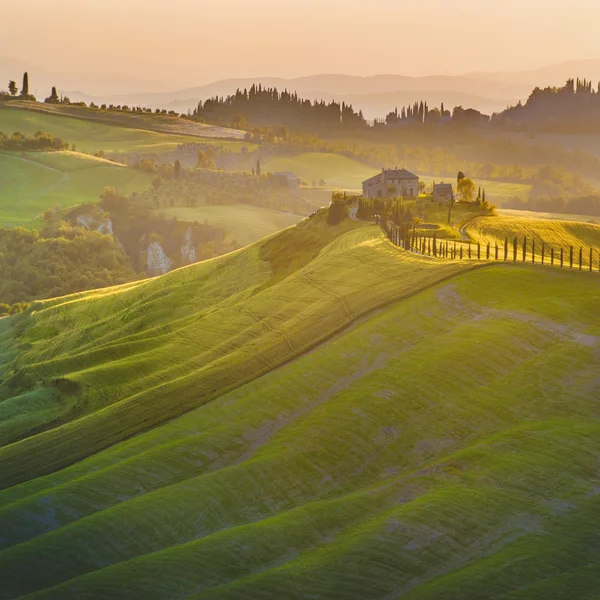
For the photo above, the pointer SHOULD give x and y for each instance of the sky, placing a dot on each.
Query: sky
(192, 42)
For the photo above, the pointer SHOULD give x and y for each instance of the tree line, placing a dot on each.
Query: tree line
(40, 141)
(268, 106)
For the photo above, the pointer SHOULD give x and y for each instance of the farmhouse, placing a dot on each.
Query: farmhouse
(391, 182)
(287, 178)
(443, 192)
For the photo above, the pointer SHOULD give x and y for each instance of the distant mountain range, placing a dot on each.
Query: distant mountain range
(374, 95)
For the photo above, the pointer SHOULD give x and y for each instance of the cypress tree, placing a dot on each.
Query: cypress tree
(25, 88)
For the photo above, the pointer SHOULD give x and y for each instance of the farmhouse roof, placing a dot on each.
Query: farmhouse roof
(394, 174)
(442, 186)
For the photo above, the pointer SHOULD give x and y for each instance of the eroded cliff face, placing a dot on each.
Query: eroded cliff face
(188, 250)
(157, 261)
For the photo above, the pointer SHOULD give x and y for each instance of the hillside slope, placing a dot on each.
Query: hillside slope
(555, 234)
(95, 135)
(35, 181)
(143, 121)
(97, 368)
(446, 446)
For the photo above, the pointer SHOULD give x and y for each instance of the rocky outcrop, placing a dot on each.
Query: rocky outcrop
(157, 261)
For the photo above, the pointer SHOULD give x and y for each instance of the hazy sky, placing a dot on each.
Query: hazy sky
(197, 41)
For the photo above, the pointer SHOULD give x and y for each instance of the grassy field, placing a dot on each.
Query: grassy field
(244, 223)
(445, 445)
(528, 214)
(555, 234)
(344, 173)
(495, 191)
(35, 181)
(337, 171)
(94, 136)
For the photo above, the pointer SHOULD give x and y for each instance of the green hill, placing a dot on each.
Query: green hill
(243, 223)
(496, 191)
(352, 421)
(337, 171)
(90, 133)
(35, 181)
(554, 234)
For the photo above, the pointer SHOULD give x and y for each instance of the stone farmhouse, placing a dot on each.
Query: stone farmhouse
(443, 192)
(391, 182)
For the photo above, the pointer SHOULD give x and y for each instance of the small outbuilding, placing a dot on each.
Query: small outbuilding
(443, 192)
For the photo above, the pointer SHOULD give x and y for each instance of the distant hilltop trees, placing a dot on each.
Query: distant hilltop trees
(269, 113)
(260, 106)
(573, 108)
(13, 90)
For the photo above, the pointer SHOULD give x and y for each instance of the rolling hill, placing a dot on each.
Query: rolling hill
(554, 234)
(319, 414)
(95, 131)
(243, 223)
(337, 171)
(35, 181)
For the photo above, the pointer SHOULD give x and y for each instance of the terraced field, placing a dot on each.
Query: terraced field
(92, 135)
(555, 234)
(319, 415)
(35, 181)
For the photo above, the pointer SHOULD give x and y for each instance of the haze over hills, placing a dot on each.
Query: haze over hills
(375, 95)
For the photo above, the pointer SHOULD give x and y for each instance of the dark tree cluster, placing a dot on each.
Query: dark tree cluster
(573, 108)
(40, 141)
(58, 260)
(267, 106)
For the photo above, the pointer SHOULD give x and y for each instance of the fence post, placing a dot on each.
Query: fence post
(515, 250)
(461, 252)
(496, 250)
(571, 258)
(580, 257)
(552, 257)
(524, 247)
(543, 250)
(454, 253)
(434, 244)
(469, 249)
(506, 249)
(446, 250)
